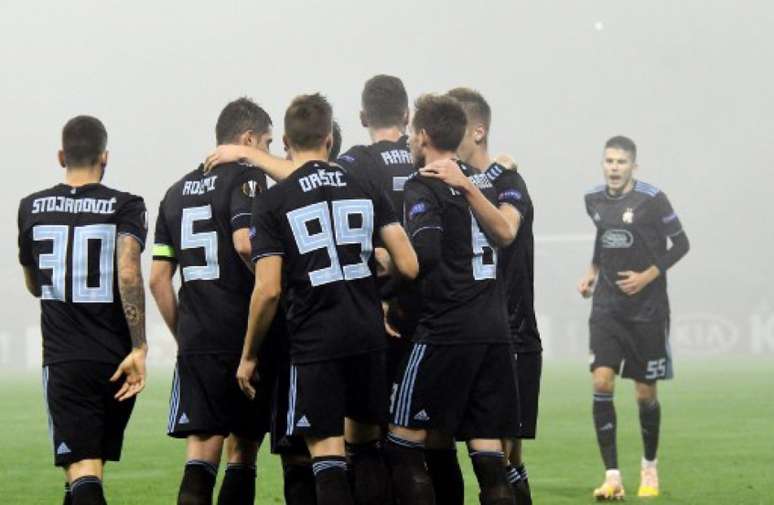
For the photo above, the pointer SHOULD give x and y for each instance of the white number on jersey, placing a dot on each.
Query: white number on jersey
(206, 240)
(481, 270)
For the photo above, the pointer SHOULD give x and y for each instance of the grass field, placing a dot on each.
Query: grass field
(717, 442)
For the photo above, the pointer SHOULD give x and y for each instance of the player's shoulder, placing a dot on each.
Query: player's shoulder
(42, 193)
(646, 189)
(596, 193)
(353, 155)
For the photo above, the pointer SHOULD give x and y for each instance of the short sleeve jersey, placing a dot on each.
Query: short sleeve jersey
(323, 221)
(68, 235)
(388, 164)
(194, 229)
(462, 300)
(632, 232)
(517, 261)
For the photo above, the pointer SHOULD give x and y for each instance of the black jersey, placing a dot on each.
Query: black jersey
(323, 221)
(632, 232)
(462, 301)
(517, 261)
(388, 164)
(68, 235)
(194, 228)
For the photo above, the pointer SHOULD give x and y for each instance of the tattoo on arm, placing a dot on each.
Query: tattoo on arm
(131, 287)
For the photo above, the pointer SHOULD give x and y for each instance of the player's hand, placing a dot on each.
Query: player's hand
(586, 285)
(383, 261)
(133, 368)
(447, 171)
(245, 375)
(391, 332)
(507, 162)
(226, 153)
(632, 283)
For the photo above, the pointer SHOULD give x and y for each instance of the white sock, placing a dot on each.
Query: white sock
(613, 473)
(649, 464)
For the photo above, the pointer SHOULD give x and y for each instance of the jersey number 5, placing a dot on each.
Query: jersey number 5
(206, 240)
(481, 270)
(333, 232)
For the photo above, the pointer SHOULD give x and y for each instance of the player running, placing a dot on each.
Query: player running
(314, 232)
(203, 227)
(629, 322)
(80, 244)
(456, 379)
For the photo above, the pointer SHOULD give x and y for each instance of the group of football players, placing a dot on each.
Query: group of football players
(368, 310)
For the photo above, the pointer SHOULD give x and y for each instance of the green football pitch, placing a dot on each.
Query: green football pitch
(717, 442)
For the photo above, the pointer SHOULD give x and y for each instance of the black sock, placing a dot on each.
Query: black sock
(197, 484)
(411, 484)
(650, 423)
(371, 483)
(87, 491)
(517, 476)
(68, 497)
(299, 484)
(605, 425)
(238, 487)
(490, 472)
(330, 477)
(444, 469)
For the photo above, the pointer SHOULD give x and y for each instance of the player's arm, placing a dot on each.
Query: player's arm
(275, 167)
(241, 200)
(589, 279)
(26, 259)
(130, 286)
(241, 240)
(31, 281)
(163, 290)
(263, 308)
(500, 223)
(402, 257)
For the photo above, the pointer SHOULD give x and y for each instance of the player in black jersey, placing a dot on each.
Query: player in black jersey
(203, 227)
(460, 376)
(316, 230)
(80, 244)
(516, 266)
(629, 321)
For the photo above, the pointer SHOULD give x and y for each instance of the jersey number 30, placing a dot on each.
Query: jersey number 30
(333, 232)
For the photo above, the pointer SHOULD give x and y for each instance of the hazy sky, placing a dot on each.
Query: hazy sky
(690, 81)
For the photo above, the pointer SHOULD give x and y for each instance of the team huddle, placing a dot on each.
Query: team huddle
(364, 313)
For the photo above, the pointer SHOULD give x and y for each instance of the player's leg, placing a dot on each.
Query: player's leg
(607, 358)
(201, 469)
(444, 468)
(650, 424)
(489, 463)
(329, 464)
(298, 480)
(238, 487)
(85, 478)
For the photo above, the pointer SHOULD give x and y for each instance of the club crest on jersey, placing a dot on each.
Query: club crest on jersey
(628, 216)
(250, 189)
(597, 217)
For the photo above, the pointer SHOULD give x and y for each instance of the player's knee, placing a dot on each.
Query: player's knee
(646, 394)
(603, 384)
(242, 451)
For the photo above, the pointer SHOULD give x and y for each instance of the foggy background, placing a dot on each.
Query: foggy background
(687, 80)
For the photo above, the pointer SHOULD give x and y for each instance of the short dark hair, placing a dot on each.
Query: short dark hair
(240, 116)
(475, 106)
(84, 139)
(384, 101)
(623, 143)
(336, 146)
(308, 121)
(443, 118)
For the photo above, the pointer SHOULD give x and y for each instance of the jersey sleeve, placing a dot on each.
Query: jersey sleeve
(511, 189)
(353, 159)
(666, 218)
(242, 196)
(421, 208)
(163, 248)
(384, 213)
(265, 229)
(26, 257)
(132, 219)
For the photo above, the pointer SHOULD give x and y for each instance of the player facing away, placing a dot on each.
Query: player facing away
(203, 228)
(459, 378)
(516, 265)
(629, 324)
(80, 244)
(314, 235)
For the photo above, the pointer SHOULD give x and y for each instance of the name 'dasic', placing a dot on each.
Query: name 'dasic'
(321, 178)
(199, 187)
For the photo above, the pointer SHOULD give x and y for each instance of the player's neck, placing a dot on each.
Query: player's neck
(302, 157)
(392, 134)
(432, 155)
(480, 159)
(81, 176)
(620, 192)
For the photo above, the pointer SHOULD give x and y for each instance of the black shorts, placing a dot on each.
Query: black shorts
(635, 350)
(84, 420)
(322, 394)
(206, 399)
(464, 390)
(281, 442)
(529, 366)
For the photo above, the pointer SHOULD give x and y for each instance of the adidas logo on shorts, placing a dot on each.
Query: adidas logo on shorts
(422, 416)
(63, 449)
(303, 423)
(183, 419)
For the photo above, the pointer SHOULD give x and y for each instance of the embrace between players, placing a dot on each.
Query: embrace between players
(367, 341)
